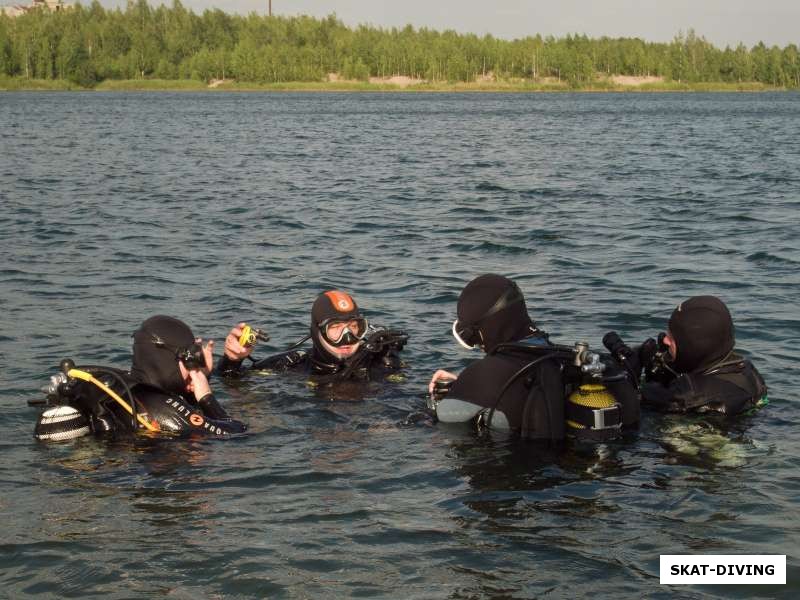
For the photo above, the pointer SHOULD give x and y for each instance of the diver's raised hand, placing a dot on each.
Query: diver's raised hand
(198, 384)
(208, 354)
(233, 349)
(440, 375)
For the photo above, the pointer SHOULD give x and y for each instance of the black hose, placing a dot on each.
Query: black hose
(512, 379)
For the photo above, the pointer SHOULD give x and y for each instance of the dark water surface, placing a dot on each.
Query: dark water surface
(608, 209)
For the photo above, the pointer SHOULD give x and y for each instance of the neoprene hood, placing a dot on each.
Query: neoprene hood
(703, 331)
(491, 311)
(158, 366)
(330, 305)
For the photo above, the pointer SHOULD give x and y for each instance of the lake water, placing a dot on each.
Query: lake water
(607, 209)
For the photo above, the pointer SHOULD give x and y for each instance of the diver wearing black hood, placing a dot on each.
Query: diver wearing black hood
(344, 346)
(166, 390)
(521, 384)
(698, 369)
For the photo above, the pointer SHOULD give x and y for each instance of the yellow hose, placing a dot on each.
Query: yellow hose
(78, 374)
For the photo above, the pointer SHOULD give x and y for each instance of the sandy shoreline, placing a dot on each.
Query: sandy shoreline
(617, 83)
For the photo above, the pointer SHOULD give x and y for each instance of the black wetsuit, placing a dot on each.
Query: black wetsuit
(372, 360)
(164, 412)
(524, 382)
(534, 404)
(706, 375)
(731, 386)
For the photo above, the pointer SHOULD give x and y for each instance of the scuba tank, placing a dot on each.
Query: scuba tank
(61, 423)
(80, 401)
(603, 401)
(596, 398)
(593, 413)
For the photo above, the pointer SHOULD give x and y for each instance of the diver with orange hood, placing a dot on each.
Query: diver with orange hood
(343, 345)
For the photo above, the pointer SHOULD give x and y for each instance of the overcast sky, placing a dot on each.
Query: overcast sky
(720, 21)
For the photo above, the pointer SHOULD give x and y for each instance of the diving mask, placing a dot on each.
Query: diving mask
(470, 333)
(344, 333)
(192, 356)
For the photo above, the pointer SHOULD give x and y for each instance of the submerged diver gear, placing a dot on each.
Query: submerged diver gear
(61, 423)
(62, 384)
(252, 335)
(593, 413)
(703, 331)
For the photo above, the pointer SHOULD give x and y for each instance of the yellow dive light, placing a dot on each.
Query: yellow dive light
(250, 336)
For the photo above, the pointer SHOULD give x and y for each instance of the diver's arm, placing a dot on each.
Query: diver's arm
(284, 361)
(211, 407)
(663, 396)
(227, 367)
(176, 414)
(230, 365)
(449, 409)
(205, 397)
(440, 375)
(453, 410)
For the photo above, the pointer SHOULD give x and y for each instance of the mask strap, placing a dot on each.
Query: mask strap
(511, 296)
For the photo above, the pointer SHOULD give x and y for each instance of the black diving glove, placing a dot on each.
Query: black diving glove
(384, 341)
(653, 355)
(647, 353)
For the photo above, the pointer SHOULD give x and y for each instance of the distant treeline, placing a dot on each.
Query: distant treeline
(90, 44)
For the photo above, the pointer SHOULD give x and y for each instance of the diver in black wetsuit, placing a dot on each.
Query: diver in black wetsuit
(695, 367)
(524, 381)
(344, 346)
(166, 390)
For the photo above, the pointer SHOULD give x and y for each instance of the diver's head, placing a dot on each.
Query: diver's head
(700, 333)
(164, 349)
(337, 326)
(491, 311)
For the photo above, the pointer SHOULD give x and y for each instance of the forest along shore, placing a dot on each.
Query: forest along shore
(142, 47)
